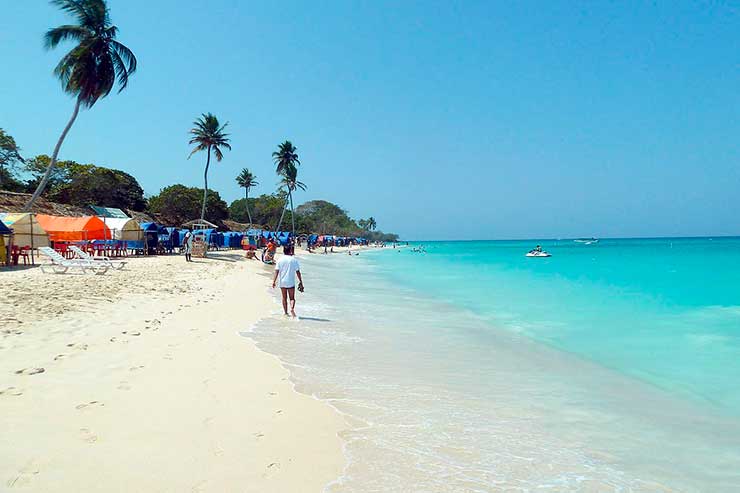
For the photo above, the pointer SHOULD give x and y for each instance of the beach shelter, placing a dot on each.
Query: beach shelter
(26, 229)
(175, 236)
(62, 228)
(151, 237)
(5, 234)
(125, 229)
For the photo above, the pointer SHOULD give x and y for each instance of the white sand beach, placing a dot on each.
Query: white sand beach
(139, 381)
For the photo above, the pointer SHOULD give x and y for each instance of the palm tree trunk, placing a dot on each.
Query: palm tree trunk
(205, 190)
(282, 215)
(292, 212)
(246, 198)
(45, 179)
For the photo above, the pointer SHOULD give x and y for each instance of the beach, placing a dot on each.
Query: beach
(139, 380)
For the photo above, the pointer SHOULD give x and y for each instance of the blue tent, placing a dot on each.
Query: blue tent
(232, 239)
(150, 227)
(312, 239)
(283, 237)
(4, 230)
(175, 236)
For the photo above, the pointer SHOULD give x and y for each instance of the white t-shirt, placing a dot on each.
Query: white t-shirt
(286, 267)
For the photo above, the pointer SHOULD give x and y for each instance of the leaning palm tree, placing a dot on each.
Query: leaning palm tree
(247, 180)
(286, 158)
(209, 136)
(291, 183)
(90, 69)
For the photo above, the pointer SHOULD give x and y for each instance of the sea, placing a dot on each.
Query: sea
(468, 367)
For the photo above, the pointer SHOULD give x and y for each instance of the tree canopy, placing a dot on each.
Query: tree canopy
(86, 184)
(10, 157)
(178, 204)
(265, 210)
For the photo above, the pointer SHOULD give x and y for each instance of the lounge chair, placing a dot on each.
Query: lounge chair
(83, 255)
(60, 265)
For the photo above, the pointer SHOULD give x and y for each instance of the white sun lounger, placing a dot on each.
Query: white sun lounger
(60, 265)
(83, 255)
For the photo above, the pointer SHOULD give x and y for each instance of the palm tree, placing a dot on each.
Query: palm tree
(90, 70)
(247, 180)
(286, 159)
(291, 183)
(371, 224)
(285, 156)
(209, 136)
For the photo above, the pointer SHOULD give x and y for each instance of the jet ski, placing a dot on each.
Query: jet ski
(538, 253)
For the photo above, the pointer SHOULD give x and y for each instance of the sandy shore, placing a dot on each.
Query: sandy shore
(138, 381)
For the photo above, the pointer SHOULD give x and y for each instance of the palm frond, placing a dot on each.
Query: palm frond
(207, 133)
(66, 32)
(91, 69)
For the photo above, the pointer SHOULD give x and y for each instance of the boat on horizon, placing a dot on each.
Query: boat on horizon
(587, 241)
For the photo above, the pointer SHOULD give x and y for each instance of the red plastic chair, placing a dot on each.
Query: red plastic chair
(24, 254)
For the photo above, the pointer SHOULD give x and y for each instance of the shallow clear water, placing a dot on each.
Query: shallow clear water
(607, 367)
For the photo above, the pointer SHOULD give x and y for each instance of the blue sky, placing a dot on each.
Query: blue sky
(441, 119)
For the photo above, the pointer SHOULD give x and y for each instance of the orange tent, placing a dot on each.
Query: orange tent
(74, 228)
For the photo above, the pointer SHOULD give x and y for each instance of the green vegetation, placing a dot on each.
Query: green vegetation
(209, 136)
(178, 204)
(368, 224)
(247, 180)
(87, 184)
(90, 70)
(10, 157)
(316, 216)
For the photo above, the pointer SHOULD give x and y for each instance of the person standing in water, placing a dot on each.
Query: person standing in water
(286, 270)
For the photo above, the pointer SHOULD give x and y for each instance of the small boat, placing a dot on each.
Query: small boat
(535, 253)
(587, 241)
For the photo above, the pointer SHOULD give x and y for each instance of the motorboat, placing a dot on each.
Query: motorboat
(587, 241)
(538, 253)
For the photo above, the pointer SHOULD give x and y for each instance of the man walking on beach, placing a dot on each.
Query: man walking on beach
(286, 270)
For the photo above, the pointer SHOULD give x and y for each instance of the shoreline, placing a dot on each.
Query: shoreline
(153, 391)
(531, 386)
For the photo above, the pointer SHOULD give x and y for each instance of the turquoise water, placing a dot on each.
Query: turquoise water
(470, 368)
(663, 310)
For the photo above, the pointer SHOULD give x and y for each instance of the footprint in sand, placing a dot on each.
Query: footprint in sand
(30, 371)
(168, 357)
(90, 404)
(258, 435)
(88, 436)
(11, 391)
(24, 475)
(123, 385)
(59, 356)
(272, 468)
(135, 368)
